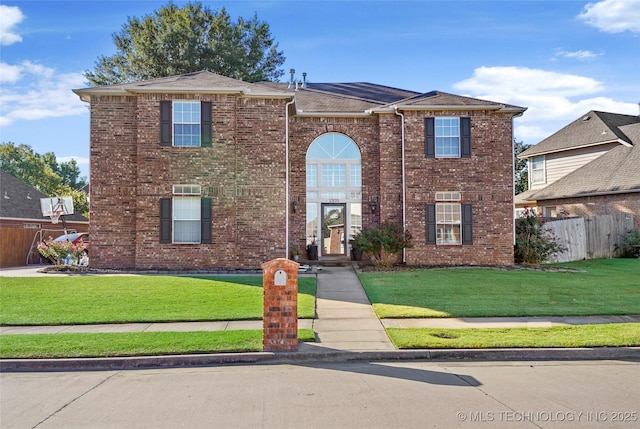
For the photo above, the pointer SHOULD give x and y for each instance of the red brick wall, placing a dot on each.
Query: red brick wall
(130, 172)
(484, 180)
(596, 205)
(244, 175)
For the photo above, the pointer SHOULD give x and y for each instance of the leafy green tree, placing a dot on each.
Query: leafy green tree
(535, 243)
(44, 173)
(176, 40)
(521, 172)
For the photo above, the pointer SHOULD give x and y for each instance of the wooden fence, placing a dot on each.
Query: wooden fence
(590, 237)
(18, 245)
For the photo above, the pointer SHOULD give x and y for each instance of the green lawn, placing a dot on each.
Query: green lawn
(125, 299)
(49, 346)
(599, 287)
(613, 335)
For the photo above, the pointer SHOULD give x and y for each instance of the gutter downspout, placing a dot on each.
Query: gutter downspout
(286, 144)
(404, 208)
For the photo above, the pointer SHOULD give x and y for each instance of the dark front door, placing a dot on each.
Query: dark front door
(333, 230)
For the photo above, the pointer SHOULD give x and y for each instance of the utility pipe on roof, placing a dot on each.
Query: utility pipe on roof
(404, 208)
(286, 144)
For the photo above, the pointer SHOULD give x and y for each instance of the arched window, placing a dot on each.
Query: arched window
(334, 192)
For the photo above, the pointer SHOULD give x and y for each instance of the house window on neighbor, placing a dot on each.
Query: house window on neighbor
(448, 223)
(537, 170)
(186, 123)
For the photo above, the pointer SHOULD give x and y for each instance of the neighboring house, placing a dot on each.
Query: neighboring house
(590, 167)
(201, 171)
(21, 220)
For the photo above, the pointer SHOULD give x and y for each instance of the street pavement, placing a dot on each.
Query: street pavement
(550, 394)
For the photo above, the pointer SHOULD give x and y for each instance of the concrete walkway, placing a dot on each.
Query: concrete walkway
(345, 319)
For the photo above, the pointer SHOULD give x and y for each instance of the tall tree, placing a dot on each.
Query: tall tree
(521, 172)
(176, 40)
(43, 173)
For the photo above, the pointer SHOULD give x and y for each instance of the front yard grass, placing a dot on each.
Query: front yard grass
(613, 335)
(50, 346)
(594, 287)
(130, 299)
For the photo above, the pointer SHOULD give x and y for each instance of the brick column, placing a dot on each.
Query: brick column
(280, 318)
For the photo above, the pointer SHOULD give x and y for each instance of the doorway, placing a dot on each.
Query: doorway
(333, 230)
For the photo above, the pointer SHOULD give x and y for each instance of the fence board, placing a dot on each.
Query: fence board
(590, 237)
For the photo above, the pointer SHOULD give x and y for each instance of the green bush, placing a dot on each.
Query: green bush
(534, 243)
(382, 243)
(630, 245)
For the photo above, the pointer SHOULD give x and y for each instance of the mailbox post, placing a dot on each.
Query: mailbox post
(280, 318)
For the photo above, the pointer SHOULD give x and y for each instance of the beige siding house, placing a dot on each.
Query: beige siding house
(590, 167)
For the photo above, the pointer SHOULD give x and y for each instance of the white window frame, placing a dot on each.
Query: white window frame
(186, 194)
(452, 132)
(533, 170)
(196, 107)
(447, 222)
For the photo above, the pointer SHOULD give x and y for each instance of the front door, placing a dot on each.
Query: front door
(333, 229)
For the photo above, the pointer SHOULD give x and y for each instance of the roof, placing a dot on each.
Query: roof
(201, 82)
(614, 172)
(18, 200)
(591, 129)
(355, 98)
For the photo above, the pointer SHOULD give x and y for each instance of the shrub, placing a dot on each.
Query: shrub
(383, 243)
(57, 251)
(630, 245)
(534, 243)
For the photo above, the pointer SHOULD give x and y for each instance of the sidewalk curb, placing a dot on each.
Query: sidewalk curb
(174, 361)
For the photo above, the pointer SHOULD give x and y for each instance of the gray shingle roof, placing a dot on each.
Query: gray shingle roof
(18, 200)
(616, 171)
(593, 128)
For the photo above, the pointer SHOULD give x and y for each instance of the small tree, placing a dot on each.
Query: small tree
(630, 246)
(534, 243)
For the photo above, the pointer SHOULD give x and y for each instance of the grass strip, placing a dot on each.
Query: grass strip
(595, 287)
(49, 346)
(612, 335)
(130, 299)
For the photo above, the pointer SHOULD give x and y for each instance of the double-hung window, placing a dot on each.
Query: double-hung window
(537, 170)
(185, 123)
(447, 137)
(185, 218)
(449, 221)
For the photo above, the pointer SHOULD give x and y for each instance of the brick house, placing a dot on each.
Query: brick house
(201, 171)
(588, 168)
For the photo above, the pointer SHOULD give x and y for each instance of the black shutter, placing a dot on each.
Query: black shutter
(205, 221)
(430, 137)
(205, 124)
(467, 224)
(165, 220)
(165, 123)
(465, 137)
(431, 223)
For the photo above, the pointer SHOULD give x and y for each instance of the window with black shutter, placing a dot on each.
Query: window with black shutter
(447, 137)
(186, 123)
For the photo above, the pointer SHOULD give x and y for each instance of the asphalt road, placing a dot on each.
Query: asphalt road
(579, 394)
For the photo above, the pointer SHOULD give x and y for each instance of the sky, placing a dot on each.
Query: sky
(559, 58)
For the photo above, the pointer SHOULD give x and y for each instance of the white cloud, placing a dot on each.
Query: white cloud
(10, 16)
(579, 55)
(613, 16)
(82, 161)
(32, 91)
(553, 99)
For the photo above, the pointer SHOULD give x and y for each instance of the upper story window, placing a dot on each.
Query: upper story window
(536, 166)
(447, 137)
(185, 123)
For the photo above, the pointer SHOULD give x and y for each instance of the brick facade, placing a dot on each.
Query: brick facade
(596, 205)
(244, 175)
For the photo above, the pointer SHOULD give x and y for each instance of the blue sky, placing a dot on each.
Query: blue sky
(558, 58)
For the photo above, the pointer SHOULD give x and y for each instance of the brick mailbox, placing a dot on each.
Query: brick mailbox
(280, 318)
